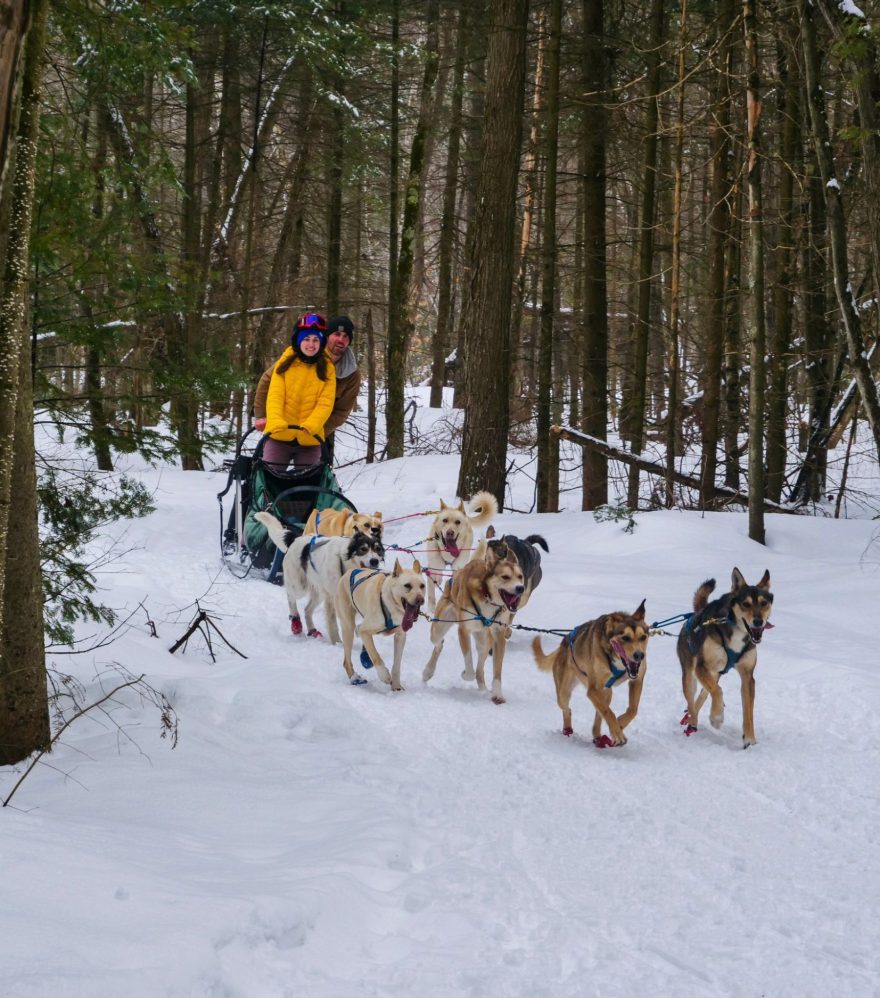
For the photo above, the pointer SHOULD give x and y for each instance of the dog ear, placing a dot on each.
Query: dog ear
(460, 506)
(490, 532)
(417, 567)
(481, 551)
(737, 580)
(765, 580)
(640, 612)
(397, 569)
(443, 506)
(377, 515)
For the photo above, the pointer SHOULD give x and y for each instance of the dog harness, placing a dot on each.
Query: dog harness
(313, 543)
(354, 581)
(732, 656)
(615, 673)
(485, 621)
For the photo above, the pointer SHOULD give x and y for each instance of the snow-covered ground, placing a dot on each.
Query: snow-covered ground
(310, 838)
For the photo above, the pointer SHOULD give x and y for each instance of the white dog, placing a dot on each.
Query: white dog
(451, 537)
(314, 564)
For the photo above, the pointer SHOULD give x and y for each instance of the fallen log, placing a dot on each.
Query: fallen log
(643, 464)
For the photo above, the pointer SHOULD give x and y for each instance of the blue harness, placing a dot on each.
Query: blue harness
(732, 656)
(485, 621)
(354, 582)
(615, 673)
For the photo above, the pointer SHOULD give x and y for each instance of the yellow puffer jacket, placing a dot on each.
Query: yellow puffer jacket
(299, 396)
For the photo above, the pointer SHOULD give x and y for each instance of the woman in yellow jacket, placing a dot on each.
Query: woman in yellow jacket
(301, 394)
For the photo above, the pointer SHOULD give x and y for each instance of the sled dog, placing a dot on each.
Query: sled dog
(601, 654)
(528, 556)
(313, 566)
(720, 635)
(343, 523)
(481, 599)
(451, 537)
(389, 603)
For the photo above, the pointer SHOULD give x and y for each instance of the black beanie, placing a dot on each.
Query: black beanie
(341, 322)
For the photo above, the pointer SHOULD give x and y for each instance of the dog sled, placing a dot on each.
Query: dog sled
(289, 495)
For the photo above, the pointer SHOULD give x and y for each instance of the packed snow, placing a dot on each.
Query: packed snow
(311, 838)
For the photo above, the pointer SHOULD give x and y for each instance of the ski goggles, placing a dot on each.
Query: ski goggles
(312, 320)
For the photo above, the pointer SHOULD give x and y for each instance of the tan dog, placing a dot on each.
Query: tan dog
(600, 654)
(718, 636)
(389, 603)
(451, 537)
(481, 598)
(343, 523)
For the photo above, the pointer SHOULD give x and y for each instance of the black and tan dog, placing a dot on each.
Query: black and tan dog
(528, 556)
(600, 654)
(481, 599)
(719, 636)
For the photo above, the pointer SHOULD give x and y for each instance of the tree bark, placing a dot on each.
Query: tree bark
(634, 418)
(719, 232)
(777, 409)
(837, 230)
(757, 332)
(441, 343)
(548, 471)
(24, 711)
(486, 313)
(594, 355)
(400, 325)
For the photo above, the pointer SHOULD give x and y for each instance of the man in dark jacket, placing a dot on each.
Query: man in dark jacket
(340, 333)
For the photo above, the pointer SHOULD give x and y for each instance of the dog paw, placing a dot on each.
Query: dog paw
(358, 681)
(397, 688)
(468, 675)
(313, 632)
(497, 698)
(689, 730)
(296, 626)
(603, 741)
(749, 741)
(716, 720)
(685, 718)
(568, 732)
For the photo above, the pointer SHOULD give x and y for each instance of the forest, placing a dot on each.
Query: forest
(651, 228)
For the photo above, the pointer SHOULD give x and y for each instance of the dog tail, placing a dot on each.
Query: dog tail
(537, 539)
(481, 508)
(280, 537)
(701, 596)
(545, 662)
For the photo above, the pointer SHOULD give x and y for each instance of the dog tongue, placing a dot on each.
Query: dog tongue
(410, 616)
(451, 546)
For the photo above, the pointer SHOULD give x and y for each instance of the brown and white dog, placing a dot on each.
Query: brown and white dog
(601, 654)
(451, 537)
(388, 603)
(719, 636)
(343, 523)
(481, 599)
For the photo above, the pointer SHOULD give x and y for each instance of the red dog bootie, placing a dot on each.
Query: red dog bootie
(296, 626)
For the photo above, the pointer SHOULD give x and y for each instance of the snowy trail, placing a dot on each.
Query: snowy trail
(311, 838)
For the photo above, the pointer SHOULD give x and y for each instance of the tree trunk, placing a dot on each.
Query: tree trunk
(400, 323)
(371, 388)
(634, 419)
(777, 410)
(441, 343)
(24, 711)
(837, 229)
(757, 332)
(486, 313)
(594, 356)
(548, 473)
(672, 363)
(719, 231)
